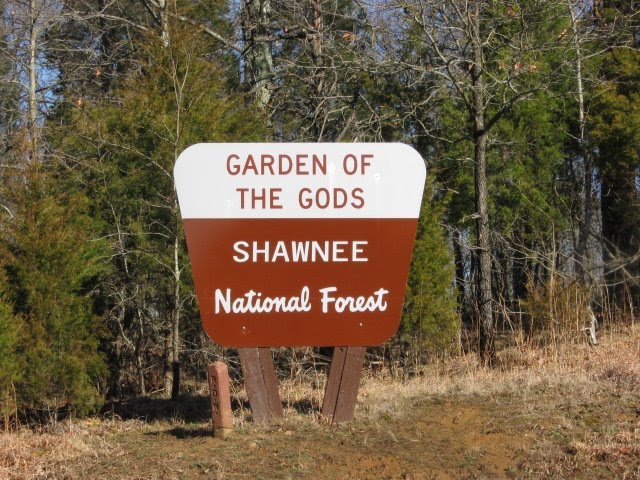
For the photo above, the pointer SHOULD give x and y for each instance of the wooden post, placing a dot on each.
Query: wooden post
(261, 384)
(341, 392)
(220, 399)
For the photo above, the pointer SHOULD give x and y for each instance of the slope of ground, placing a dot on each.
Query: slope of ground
(571, 414)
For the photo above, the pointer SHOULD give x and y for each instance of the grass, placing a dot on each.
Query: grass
(570, 412)
(577, 367)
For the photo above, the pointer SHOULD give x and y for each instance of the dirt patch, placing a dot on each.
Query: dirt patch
(541, 434)
(577, 418)
(452, 439)
(544, 434)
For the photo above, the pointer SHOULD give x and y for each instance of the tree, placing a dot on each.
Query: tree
(429, 319)
(582, 164)
(51, 268)
(491, 56)
(26, 41)
(128, 147)
(10, 365)
(616, 127)
(255, 20)
(326, 78)
(9, 92)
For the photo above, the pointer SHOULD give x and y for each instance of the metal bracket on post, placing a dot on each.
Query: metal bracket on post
(261, 384)
(341, 392)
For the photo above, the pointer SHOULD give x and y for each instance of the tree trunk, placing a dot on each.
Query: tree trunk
(164, 23)
(318, 77)
(256, 18)
(172, 356)
(460, 278)
(483, 286)
(140, 356)
(484, 294)
(583, 256)
(32, 112)
(117, 369)
(168, 365)
(175, 338)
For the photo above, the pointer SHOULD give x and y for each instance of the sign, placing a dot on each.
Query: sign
(300, 244)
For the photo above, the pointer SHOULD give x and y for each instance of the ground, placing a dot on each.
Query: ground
(573, 414)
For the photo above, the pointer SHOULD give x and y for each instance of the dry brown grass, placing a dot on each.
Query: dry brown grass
(584, 372)
(579, 368)
(49, 452)
(612, 446)
(29, 455)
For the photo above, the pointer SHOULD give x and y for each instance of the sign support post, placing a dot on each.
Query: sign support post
(261, 384)
(343, 382)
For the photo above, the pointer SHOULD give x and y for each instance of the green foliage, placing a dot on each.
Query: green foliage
(616, 122)
(616, 132)
(524, 167)
(51, 264)
(453, 164)
(429, 314)
(9, 358)
(124, 147)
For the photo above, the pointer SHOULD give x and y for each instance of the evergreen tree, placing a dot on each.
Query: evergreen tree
(616, 131)
(10, 364)
(486, 76)
(51, 267)
(127, 147)
(429, 319)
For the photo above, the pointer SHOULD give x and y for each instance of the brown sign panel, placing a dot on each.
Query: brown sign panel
(300, 244)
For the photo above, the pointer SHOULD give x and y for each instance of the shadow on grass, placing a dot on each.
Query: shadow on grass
(188, 408)
(182, 433)
(305, 407)
(186, 414)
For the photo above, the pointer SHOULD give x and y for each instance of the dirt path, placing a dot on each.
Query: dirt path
(545, 434)
(575, 416)
(440, 440)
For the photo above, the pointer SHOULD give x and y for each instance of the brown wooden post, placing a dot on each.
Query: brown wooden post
(221, 414)
(341, 392)
(261, 384)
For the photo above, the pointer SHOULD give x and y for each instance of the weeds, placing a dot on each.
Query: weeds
(558, 392)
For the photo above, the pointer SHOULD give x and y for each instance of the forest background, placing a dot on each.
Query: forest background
(527, 113)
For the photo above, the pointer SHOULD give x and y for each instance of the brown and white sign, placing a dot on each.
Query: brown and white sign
(300, 244)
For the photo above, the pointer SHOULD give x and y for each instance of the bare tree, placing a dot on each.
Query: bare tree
(489, 56)
(27, 22)
(256, 20)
